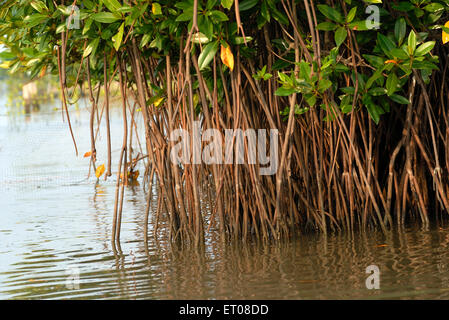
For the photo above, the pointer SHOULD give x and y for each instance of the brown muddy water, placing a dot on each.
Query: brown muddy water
(55, 227)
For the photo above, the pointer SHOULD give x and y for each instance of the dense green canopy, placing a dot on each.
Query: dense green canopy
(34, 30)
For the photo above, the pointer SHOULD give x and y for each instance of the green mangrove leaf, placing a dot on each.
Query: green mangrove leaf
(362, 25)
(351, 15)
(403, 6)
(434, 7)
(241, 40)
(374, 110)
(340, 35)
(326, 26)
(424, 48)
(247, 4)
(411, 45)
(87, 25)
(199, 37)
(324, 84)
(330, 13)
(399, 53)
(145, 39)
(386, 44)
(206, 26)
(112, 5)
(106, 17)
(185, 16)
(61, 28)
(218, 15)
(424, 65)
(117, 39)
(305, 70)
(40, 6)
(399, 99)
(376, 75)
(284, 91)
(311, 100)
(349, 90)
(392, 82)
(400, 28)
(91, 47)
(227, 3)
(35, 19)
(375, 61)
(207, 55)
(377, 91)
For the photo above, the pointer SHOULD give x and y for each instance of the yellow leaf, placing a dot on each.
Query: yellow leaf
(158, 102)
(5, 64)
(391, 61)
(99, 171)
(445, 36)
(227, 57)
(43, 70)
(87, 154)
(156, 8)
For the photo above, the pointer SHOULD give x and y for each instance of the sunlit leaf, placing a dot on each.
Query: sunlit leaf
(112, 5)
(117, 39)
(207, 54)
(412, 42)
(227, 57)
(199, 38)
(99, 171)
(445, 35)
(91, 47)
(424, 48)
(227, 3)
(35, 19)
(39, 6)
(158, 101)
(156, 9)
(6, 64)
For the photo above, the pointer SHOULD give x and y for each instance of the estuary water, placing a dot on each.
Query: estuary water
(55, 226)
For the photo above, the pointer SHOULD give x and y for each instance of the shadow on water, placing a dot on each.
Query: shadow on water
(55, 226)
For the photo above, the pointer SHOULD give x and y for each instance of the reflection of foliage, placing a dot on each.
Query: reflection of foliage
(3, 74)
